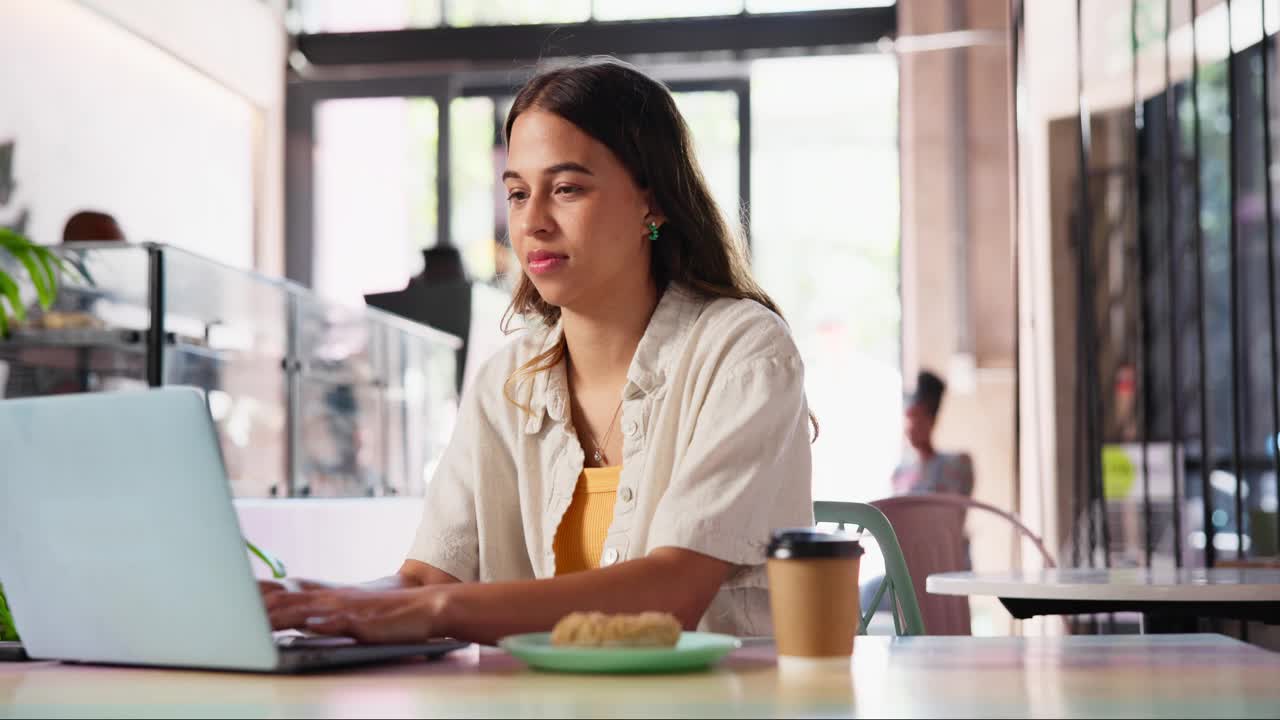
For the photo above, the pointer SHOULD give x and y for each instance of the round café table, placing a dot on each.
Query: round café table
(1168, 598)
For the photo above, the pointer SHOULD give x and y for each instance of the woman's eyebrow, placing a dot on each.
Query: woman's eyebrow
(552, 170)
(567, 167)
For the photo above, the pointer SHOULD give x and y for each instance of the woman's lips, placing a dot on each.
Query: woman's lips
(541, 262)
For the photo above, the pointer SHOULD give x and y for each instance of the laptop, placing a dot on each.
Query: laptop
(119, 542)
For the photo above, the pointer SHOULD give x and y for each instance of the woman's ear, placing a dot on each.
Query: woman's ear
(653, 214)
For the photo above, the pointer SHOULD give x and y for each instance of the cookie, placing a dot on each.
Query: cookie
(595, 629)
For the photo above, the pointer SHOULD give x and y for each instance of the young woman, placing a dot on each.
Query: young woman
(632, 449)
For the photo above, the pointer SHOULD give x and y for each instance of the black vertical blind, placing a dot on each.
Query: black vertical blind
(1201, 315)
(1197, 352)
(1265, 58)
(1139, 282)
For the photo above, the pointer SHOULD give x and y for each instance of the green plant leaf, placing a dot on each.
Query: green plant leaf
(49, 261)
(9, 289)
(46, 260)
(277, 567)
(43, 292)
(8, 630)
(60, 265)
(12, 241)
(41, 264)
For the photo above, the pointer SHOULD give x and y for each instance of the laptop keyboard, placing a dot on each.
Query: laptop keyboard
(293, 639)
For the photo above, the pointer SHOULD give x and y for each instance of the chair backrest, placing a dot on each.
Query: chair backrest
(907, 619)
(965, 502)
(931, 534)
(932, 540)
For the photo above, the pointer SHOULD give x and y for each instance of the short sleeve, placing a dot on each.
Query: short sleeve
(747, 468)
(448, 534)
(958, 475)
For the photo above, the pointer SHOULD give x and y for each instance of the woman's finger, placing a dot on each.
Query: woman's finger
(305, 584)
(334, 598)
(292, 611)
(372, 629)
(388, 617)
(293, 585)
(399, 623)
(296, 616)
(268, 587)
(331, 624)
(275, 601)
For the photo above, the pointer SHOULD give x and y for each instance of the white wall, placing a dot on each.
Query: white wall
(236, 42)
(340, 540)
(167, 115)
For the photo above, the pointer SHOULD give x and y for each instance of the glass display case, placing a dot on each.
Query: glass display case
(310, 398)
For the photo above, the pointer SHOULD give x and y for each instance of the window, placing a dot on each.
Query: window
(375, 193)
(463, 13)
(632, 10)
(712, 117)
(767, 6)
(825, 246)
(475, 155)
(318, 16)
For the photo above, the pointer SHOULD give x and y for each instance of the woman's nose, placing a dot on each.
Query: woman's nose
(537, 216)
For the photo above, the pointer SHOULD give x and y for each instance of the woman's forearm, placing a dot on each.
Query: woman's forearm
(397, 581)
(680, 582)
(412, 574)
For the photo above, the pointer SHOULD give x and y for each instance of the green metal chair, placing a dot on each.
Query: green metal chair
(907, 619)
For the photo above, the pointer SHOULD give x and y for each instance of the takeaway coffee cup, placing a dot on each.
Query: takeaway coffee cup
(813, 592)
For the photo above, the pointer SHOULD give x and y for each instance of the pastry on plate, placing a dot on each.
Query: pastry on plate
(66, 320)
(596, 629)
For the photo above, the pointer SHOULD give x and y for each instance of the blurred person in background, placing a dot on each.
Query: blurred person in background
(91, 225)
(50, 370)
(930, 470)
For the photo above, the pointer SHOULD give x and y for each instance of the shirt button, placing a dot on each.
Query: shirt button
(631, 428)
(610, 557)
(625, 494)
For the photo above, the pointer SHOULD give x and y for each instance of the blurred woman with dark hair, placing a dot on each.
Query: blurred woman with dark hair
(91, 225)
(633, 448)
(931, 470)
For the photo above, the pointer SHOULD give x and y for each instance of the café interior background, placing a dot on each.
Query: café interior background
(907, 176)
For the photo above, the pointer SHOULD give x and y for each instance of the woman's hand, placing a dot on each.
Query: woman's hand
(412, 615)
(267, 587)
(411, 574)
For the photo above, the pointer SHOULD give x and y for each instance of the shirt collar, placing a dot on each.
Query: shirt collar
(676, 311)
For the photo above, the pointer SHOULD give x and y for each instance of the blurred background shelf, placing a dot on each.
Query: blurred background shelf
(311, 398)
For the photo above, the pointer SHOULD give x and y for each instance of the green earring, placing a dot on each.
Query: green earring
(653, 231)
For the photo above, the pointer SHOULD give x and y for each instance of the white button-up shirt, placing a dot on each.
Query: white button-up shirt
(715, 455)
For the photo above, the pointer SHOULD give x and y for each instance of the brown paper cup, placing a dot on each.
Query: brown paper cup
(814, 601)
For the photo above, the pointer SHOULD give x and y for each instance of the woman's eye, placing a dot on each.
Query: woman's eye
(568, 190)
(516, 196)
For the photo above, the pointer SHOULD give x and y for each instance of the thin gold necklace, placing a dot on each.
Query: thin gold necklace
(598, 455)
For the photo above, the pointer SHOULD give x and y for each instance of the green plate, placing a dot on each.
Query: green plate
(695, 651)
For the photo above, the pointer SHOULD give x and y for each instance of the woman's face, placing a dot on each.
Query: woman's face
(577, 218)
(918, 425)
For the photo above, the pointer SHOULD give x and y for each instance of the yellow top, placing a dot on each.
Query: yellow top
(580, 536)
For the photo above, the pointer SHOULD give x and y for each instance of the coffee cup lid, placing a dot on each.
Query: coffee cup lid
(812, 543)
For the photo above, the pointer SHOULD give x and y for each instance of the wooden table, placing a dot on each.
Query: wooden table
(1166, 595)
(1075, 676)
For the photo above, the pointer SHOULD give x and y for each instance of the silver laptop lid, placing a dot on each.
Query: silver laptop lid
(118, 539)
